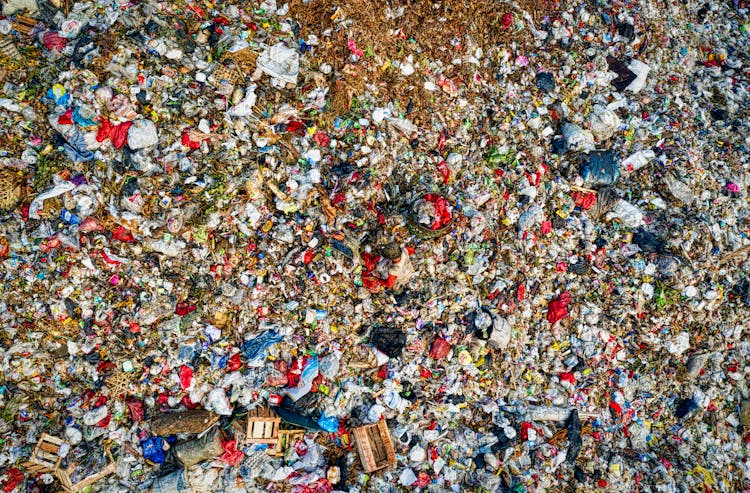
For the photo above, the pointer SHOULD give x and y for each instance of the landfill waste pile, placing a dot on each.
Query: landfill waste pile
(350, 245)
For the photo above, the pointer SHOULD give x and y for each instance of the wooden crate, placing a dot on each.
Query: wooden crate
(262, 426)
(24, 24)
(374, 446)
(46, 459)
(64, 477)
(287, 438)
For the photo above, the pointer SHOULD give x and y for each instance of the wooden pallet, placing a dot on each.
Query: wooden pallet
(374, 446)
(262, 426)
(46, 459)
(119, 384)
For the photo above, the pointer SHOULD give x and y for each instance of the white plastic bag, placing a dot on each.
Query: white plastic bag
(641, 71)
(604, 123)
(142, 134)
(281, 63)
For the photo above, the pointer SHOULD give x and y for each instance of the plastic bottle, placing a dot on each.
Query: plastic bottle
(638, 160)
(69, 217)
(679, 189)
(329, 365)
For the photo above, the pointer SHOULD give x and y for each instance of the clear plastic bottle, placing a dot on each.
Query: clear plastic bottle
(638, 160)
(679, 189)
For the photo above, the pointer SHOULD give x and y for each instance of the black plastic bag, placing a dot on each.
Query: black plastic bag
(545, 81)
(388, 339)
(573, 425)
(601, 169)
(625, 76)
(647, 241)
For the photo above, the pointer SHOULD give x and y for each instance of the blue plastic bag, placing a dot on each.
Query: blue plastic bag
(255, 349)
(75, 148)
(153, 449)
(328, 423)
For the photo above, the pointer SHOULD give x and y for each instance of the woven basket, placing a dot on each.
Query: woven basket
(11, 188)
(421, 231)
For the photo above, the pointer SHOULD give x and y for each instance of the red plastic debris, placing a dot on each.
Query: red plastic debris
(521, 292)
(231, 455)
(445, 171)
(568, 377)
(558, 309)
(66, 118)
(121, 233)
(136, 409)
(13, 477)
(308, 257)
(53, 41)
(423, 479)
(322, 139)
(188, 142)
(186, 376)
(506, 20)
(188, 403)
(234, 362)
(118, 134)
(296, 127)
(584, 200)
(525, 427)
(439, 349)
(615, 407)
(442, 210)
(183, 308)
(354, 49)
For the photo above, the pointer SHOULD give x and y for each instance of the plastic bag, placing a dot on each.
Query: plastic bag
(75, 147)
(601, 169)
(142, 134)
(281, 63)
(153, 449)
(576, 138)
(439, 349)
(218, 402)
(309, 373)
(558, 308)
(604, 123)
(630, 215)
(573, 426)
(388, 339)
(625, 76)
(254, 350)
(545, 81)
(118, 134)
(196, 451)
(328, 423)
(176, 482)
(60, 187)
(641, 70)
